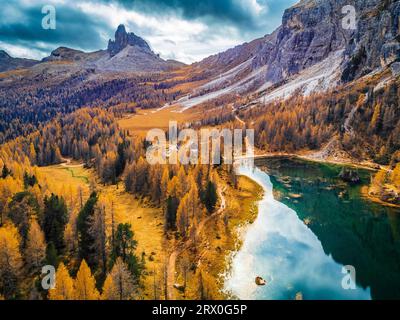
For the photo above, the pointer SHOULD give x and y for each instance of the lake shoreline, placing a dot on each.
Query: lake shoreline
(239, 282)
(366, 194)
(370, 166)
(238, 232)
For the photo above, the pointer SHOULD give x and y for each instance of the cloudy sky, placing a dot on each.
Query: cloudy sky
(185, 30)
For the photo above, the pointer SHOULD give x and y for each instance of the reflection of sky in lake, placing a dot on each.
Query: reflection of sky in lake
(280, 248)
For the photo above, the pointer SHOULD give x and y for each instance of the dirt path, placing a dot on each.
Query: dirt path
(67, 163)
(184, 245)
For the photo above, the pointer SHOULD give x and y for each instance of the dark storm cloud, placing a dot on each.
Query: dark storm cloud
(238, 20)
(73, 28)
(233, 11)
(237, 13)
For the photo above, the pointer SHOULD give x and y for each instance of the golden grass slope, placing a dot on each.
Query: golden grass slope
(146, 221)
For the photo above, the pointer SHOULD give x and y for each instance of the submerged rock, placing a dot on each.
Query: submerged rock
(299, 296)
(260, 281)
(295, 195)
(349, 176)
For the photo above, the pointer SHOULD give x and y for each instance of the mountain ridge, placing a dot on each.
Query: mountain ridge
(126, 53)
(8, 62)
(311, 33)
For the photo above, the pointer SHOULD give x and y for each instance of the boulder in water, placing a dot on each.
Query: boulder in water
(260, 281)
(299, 296)
(350, 176)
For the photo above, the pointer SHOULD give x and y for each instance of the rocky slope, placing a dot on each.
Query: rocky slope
(310, 51)
(127, 53)
(9, 63)
(72, 55)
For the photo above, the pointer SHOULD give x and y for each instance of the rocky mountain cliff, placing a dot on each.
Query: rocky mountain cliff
(9, 63)
(310, 51)
(127, 53)
(124, 39)
(312, 30)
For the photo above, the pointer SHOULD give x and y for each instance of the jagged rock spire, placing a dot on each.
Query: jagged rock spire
(124, 39)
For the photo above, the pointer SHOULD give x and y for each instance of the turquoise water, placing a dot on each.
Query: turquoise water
(310, 225)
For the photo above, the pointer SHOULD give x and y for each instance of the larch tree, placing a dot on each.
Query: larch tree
(136, 178)
(23, 207)
(70, 238)
(10, 260)
(108, 167)
(32, 153)
(173, 188)
(97, 230)
(109, 289)
(194, 210)
(35, 251)
(183, 186)
(85, 284)
(64, 289)
(164, 183)
(182, 216)
(155, 183)
(119, 284)
(8, 187)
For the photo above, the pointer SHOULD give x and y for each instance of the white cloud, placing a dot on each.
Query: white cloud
(20, 51)
(255, 6)
(170, 36)
(169, 33)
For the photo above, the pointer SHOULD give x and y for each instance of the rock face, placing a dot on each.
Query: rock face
(395, 67)
(312, 32)
(8, 63)
(390, 53)
(316, 48)
(130, 53)
(375, 42)
(124, 39)
(313, 29)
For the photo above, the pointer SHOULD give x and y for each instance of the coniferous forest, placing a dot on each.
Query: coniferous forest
(85, 214)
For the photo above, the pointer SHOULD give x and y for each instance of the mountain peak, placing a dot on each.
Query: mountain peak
(4, 55)
(124, 39)
(9, 63)
(121, 29)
